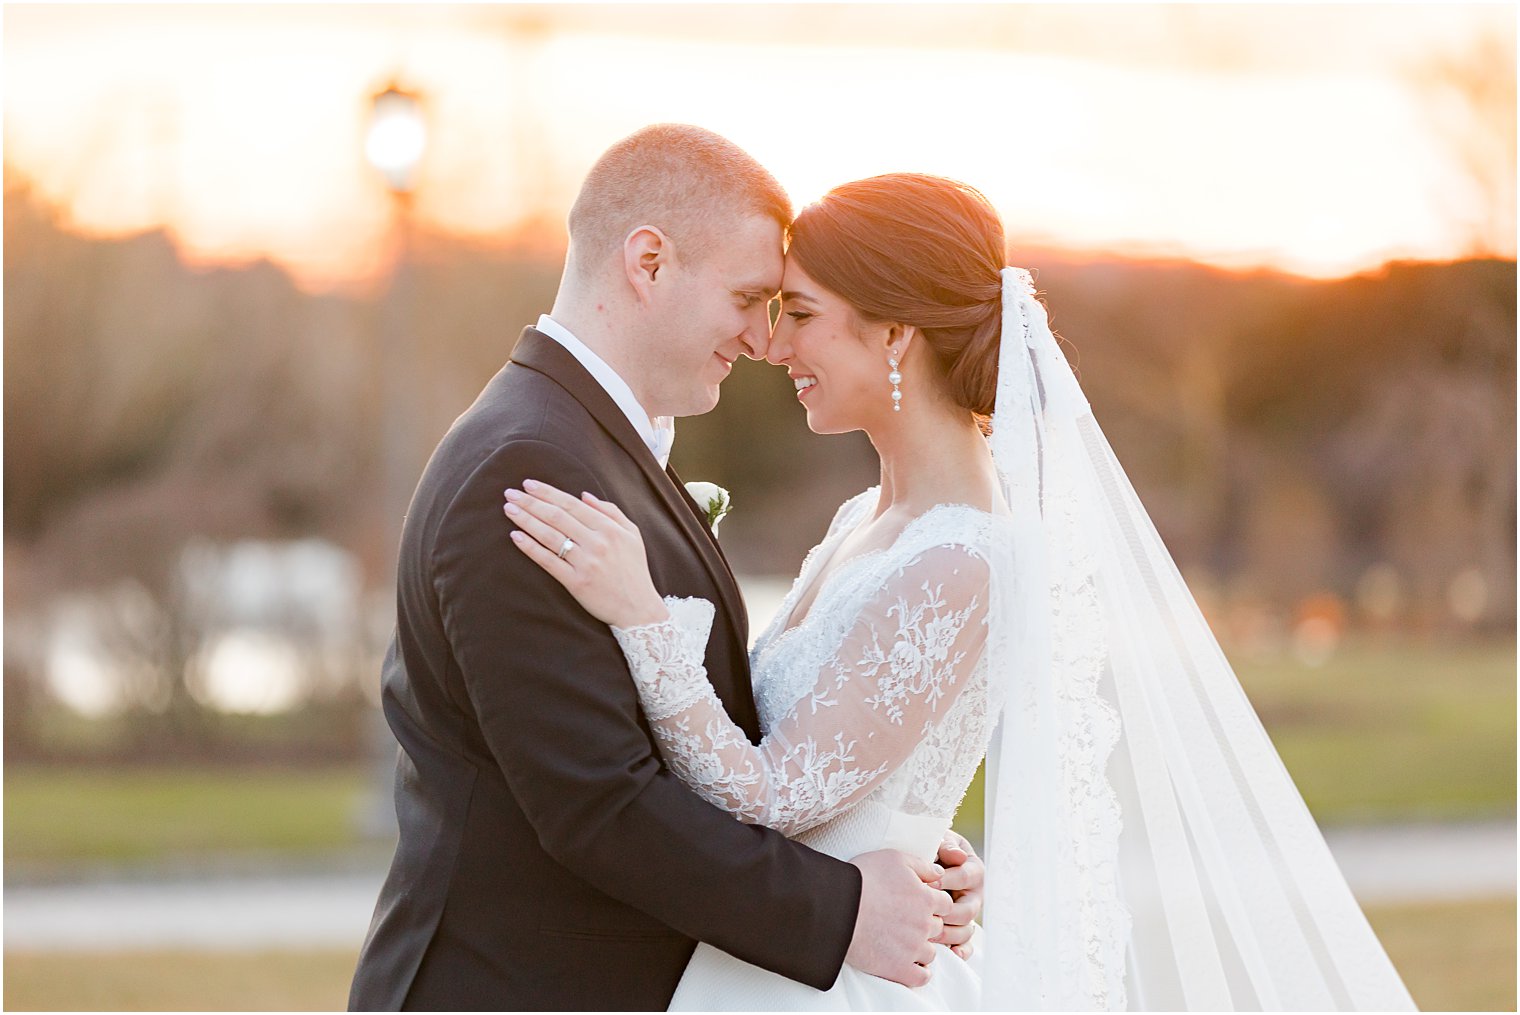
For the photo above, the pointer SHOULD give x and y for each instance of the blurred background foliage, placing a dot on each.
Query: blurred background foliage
(1323, 458)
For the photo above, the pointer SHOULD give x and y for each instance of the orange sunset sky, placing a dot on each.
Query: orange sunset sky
(1303, 138)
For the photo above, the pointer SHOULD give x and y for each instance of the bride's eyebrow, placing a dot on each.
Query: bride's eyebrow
(793, 297)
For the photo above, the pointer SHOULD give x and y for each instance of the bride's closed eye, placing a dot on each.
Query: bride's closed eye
(798, 315)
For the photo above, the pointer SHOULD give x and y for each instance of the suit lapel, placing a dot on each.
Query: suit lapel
(537, 351)
(733, 598)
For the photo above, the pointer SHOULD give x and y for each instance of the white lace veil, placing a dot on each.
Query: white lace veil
(1146, 848)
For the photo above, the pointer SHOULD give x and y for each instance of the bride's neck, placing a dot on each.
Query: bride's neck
(932, 456)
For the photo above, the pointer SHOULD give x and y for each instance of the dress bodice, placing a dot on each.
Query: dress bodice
(785, 661)
(874, 709)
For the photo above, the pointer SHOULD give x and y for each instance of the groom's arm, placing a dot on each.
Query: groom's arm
(561, 716)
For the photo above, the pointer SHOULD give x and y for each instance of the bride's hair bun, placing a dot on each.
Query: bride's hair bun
(973, 369)
(920, 250)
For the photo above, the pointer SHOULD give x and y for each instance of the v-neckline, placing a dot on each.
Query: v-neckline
(792, 623)
(819, 578)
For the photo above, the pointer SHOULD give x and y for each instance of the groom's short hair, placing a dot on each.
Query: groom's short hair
(689, 182)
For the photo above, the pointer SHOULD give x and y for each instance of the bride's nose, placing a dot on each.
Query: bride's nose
(780, 349)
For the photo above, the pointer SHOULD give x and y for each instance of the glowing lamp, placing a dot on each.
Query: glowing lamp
(397, 137)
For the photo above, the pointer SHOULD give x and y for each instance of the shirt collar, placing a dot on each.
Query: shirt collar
(658, 433)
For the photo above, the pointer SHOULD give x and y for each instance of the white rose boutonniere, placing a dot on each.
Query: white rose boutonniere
(713, 499)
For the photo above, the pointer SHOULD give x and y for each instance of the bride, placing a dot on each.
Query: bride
(1001, 594)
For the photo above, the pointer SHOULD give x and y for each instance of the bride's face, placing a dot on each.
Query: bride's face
(838, 361)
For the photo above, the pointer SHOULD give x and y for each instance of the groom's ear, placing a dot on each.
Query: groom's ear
(646, 253)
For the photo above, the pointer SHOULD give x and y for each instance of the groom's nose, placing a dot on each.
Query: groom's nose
(756, 339)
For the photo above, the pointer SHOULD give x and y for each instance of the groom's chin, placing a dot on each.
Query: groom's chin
(703, 401)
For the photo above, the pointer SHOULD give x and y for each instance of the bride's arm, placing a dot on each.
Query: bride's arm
(893, 676)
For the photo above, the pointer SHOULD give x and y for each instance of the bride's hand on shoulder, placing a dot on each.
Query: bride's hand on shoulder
(591, 548)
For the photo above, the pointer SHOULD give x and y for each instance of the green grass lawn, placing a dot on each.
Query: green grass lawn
(55, 816)
(1383, 733)
(1414, 732)
(1453, 957)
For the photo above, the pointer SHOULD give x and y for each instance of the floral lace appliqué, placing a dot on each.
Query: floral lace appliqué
(879, 694)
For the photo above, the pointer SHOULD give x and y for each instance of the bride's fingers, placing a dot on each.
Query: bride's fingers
(543, 558)
(959, 879)
(551, 537)
(609, 509)
(961, 914)
(951, 851)
(556, 498)
(521, 505)
(955, 934)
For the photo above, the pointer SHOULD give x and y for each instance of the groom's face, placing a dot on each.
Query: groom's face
(716, 311)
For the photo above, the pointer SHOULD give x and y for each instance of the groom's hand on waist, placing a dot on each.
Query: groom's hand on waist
(901, 913)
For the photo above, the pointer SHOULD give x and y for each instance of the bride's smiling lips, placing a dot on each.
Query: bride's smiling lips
(805, 384)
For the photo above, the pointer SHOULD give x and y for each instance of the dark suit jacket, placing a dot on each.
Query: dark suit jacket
(547, 859)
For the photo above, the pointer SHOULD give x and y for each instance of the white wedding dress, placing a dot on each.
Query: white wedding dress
(1146, 847)
(875, 712)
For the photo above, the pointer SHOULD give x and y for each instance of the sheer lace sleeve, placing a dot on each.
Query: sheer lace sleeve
(900, 665)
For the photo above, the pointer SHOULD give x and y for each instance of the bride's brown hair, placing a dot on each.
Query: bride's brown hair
(918, 250)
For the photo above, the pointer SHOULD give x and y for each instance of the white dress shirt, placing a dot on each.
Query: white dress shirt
(658, 432)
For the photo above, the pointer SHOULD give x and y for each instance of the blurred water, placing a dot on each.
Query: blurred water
(251, 663)
(265, 613)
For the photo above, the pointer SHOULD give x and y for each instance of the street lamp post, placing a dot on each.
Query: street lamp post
(394, 145)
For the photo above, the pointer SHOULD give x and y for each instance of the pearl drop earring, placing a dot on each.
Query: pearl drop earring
(896, 378)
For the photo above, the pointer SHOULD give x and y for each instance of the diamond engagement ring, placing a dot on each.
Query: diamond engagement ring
(565, 550)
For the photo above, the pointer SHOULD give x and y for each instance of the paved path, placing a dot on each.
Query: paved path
(309, 911)
(1414, 863)
(1382, 864)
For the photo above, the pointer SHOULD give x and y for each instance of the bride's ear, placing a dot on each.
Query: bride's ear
(899, 339)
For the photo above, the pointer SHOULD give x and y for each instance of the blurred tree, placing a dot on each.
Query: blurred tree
(1469, 98)
(1287, 436)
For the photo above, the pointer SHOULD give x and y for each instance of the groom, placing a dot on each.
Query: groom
(547, 859)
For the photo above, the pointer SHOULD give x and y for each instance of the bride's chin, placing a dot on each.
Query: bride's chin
(821, 425)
